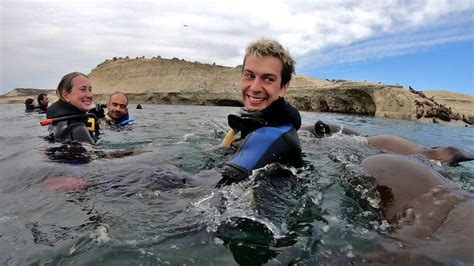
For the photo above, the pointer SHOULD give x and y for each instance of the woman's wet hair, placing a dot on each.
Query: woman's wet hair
(265, 47)
(66, 83)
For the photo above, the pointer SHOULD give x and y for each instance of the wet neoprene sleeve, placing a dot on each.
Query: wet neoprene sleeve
(74, 131)
(263, 146)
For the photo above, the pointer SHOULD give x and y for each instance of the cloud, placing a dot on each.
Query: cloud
(43, 40)
(405, 30)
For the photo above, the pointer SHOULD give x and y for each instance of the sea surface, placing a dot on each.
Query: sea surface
(151, 197)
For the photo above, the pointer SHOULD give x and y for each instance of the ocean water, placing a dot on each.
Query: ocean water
(151, 196)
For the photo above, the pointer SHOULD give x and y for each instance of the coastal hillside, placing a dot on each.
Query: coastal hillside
(176, 81)
(19, 95)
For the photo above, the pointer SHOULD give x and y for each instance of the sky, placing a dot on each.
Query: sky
(426, 44)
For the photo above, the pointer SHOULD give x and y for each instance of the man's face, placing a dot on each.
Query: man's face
(261, 82)
(45, 101)
(117, 106)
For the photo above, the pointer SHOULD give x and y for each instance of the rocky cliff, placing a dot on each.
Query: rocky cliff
(174, 81)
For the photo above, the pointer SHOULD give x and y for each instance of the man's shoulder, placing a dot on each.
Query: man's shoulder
(107, 121)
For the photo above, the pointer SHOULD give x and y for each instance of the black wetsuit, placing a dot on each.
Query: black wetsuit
(29, 107)
(42, 108)
(270, 137)
(73, 129)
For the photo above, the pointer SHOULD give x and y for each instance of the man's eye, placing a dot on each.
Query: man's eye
(248, 76)
(268, 79)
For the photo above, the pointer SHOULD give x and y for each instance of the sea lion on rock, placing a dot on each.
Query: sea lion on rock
(419, 112)
(430, 113)
(429, 214)
(468, 120)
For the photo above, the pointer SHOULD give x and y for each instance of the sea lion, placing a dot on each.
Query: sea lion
(386, 168)
(428, 213)
(419, 110)
(390, 143)
(321, 129)
(395, 144)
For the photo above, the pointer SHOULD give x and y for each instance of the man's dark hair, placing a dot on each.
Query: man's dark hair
(41, 96)
(117, 92)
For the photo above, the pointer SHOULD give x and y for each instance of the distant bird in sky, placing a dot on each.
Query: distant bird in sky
(185, 25)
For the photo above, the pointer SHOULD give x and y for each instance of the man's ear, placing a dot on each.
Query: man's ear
(126, 110)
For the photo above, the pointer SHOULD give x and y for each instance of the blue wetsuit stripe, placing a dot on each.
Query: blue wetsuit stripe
(126, 122)
(257, 144)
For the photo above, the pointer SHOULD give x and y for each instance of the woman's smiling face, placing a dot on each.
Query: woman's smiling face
(81, 93)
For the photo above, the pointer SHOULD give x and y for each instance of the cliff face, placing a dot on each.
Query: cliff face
(162, 75)
(19, 95)
(174, 81)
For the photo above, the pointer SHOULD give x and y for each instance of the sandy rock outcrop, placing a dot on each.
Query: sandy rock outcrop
(19, 95)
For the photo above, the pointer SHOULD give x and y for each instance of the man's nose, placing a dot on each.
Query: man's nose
(256, 84)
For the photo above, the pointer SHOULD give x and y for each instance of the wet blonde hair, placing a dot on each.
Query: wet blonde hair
(265, 47)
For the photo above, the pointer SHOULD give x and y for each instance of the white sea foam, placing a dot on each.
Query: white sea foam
(100, 235)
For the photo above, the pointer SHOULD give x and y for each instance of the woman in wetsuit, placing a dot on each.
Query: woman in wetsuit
(267, 123)
(75, 100)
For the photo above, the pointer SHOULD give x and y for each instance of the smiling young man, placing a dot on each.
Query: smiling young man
(267, 124)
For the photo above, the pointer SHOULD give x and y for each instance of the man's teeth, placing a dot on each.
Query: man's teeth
(256, 99)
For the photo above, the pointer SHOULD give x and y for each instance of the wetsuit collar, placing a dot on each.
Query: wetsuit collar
(125, 117)
(280, 112)
(276, 114)
(61, 108)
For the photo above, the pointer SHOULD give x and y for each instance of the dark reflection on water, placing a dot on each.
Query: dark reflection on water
(151, 196)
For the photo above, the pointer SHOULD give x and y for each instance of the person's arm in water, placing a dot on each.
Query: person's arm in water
(263, 146)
